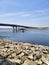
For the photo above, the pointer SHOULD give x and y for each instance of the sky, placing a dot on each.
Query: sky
(33, 13)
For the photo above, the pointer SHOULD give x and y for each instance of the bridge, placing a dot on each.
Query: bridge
(14, 26)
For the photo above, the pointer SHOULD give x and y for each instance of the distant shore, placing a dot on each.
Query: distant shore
(5, 28)
(19, 53)
(34, 28)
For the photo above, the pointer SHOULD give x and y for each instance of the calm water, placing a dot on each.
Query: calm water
(32, 36)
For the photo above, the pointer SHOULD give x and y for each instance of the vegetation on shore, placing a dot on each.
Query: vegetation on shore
(36, 28)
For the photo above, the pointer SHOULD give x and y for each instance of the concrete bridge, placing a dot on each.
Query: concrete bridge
(14, 26)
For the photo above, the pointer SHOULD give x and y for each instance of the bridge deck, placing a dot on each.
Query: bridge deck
(14, 25)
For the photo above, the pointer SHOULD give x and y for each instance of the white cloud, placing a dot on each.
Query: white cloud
(41, 11)
(40, 19)
(10, 14)
(24, 17)
(27, 13)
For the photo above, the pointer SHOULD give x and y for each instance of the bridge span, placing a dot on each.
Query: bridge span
(14, 26)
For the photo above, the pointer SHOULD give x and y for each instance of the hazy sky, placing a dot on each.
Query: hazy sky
(25, 12)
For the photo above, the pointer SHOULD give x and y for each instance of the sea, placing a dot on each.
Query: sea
(40, 37)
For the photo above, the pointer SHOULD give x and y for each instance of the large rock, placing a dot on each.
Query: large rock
(6, 63)
(18, 51)
(30, 57)
(45, 60)
(1, 61)
(29, 62)
(39, 62)
(16, 61)
(13, 55)
(21, 55)
(23, 58)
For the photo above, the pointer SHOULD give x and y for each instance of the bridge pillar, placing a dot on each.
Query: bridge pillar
(16, 29)
(13, 29)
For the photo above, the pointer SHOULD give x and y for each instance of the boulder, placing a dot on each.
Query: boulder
(29, 62)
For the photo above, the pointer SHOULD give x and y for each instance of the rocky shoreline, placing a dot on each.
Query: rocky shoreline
(18, 53)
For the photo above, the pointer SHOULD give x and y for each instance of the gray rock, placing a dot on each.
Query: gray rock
(38, 56)
(1, 61)
(15, 61)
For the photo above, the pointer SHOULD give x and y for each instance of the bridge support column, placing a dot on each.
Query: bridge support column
(16, 29)
(13, 29)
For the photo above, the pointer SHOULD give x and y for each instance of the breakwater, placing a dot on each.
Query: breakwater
(18, 53)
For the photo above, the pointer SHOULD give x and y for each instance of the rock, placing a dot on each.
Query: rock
(1, 47)
(36, 49)
(23, 58)
(4, 49)
(41, 46)
(18, 51)
(13, 55)
(45, 60)
(45, 52)
(38, 56)
(1, 61)
(44, 64)
(29, 62)
(9, 57)
(39, 62)
(11, 50)
(6, 62)
(5, 55)
(36, 52)
(17, 61)
(20, 55)
(32, 48)
(30, 57)
(2, 53)
(26, 52)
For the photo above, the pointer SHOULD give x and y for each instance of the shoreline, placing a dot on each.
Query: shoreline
(19, 53)
(34, 28)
